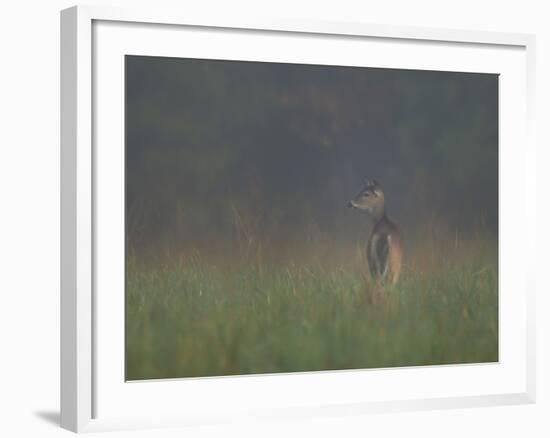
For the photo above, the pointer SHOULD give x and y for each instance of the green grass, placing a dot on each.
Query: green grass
(198, 318)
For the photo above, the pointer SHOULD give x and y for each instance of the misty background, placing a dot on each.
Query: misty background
(230, 152)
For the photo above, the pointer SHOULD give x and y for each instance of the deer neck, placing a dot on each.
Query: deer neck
(378, 212)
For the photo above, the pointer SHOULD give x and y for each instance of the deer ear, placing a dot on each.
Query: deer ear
(366, 182)
(375, 183)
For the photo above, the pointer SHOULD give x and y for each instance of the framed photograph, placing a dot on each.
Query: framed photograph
(267, 218)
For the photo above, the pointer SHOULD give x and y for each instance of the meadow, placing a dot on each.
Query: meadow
(192, 314)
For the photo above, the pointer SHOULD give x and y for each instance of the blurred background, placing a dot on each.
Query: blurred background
(221, 154)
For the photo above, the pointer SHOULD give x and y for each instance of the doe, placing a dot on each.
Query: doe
(384, 250)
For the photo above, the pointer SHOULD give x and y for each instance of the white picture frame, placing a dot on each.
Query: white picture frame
(83, 371)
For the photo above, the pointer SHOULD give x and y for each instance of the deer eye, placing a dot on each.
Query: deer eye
(366, 194)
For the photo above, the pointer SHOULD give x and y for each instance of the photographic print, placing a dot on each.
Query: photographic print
(296, 218)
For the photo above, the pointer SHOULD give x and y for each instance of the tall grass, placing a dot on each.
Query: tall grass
(202, 316)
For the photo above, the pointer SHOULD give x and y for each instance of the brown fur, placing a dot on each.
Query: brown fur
(384, 247)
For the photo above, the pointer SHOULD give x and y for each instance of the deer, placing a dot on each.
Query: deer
(384, 249)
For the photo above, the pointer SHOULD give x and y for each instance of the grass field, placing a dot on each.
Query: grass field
(198, 317)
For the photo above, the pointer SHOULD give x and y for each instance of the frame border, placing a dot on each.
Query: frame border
(77, 198)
